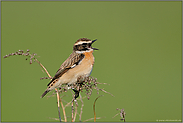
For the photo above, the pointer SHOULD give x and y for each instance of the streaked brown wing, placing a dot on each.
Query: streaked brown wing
(69, 63)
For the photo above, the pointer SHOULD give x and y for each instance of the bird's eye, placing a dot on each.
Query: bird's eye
(84, 43)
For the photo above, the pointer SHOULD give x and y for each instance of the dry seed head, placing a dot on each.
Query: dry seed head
(5, 56)
(20, 51)
(26, 54)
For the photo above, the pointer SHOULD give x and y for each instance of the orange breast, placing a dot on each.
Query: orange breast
(89, 56)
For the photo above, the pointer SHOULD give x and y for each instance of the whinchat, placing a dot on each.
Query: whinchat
(78, 65)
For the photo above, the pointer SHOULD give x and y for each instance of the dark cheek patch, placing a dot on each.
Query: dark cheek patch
(81, 47)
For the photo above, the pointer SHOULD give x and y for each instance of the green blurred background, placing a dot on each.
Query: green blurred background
(139, 56)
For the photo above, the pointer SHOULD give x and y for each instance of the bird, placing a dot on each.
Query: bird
(78, 65)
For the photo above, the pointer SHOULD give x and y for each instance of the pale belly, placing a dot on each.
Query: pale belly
(82, 70)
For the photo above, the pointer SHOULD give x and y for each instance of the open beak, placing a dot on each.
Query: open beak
(92, 43)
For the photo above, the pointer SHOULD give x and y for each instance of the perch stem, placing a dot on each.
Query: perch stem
(75, 113)
(58, 97)
(43, 67)
(72, 110)
(63, 108)
(58, 105)
(82, 104)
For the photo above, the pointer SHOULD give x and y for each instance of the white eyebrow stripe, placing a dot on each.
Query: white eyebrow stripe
(81, 42)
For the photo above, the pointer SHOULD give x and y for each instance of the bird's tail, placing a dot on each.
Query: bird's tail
(44, 93)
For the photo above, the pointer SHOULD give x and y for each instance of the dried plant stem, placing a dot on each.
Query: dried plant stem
(43, 68)
(54, 118)
(93, 118)
(58, 105)
(94, 107)
(68, 104)
(122, 114)
(58, 97)
(72, 106)
(75, 113)
(105, 91)
(82, 104)
(63, 108)
(116, 115)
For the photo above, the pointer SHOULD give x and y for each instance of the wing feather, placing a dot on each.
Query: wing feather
(69, 63)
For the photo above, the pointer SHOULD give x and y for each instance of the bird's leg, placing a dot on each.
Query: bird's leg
(79, 79)
(76, 95)
(79, 85)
